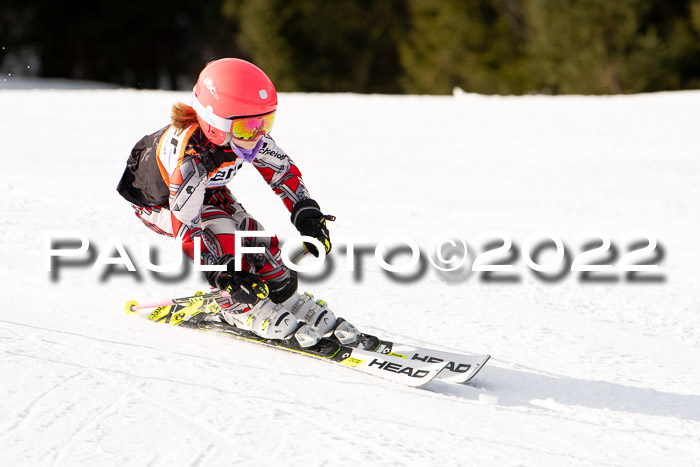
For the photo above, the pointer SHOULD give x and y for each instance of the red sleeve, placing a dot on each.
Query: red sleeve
(280, 172)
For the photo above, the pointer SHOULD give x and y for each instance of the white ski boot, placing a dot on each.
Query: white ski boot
(271, 321)
(319, 317)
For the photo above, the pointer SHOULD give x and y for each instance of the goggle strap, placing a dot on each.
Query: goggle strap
(222, 124)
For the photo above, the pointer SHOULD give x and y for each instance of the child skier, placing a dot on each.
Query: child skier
(176, 180)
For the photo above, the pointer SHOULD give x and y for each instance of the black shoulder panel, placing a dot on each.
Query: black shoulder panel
(142, 184)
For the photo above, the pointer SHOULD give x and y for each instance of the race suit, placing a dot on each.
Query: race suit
(176, 182)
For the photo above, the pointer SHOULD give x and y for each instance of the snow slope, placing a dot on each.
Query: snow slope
(600, 372)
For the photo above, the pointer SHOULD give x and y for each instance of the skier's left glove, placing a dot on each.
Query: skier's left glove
(244, 286)
(310, 221)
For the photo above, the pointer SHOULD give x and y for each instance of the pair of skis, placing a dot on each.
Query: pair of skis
(405, 364)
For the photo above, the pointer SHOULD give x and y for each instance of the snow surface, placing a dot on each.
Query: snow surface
(582, 372)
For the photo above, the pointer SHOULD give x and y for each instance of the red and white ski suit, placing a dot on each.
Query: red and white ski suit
(176, 181)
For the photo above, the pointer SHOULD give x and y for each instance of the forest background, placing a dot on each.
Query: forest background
(389, 46)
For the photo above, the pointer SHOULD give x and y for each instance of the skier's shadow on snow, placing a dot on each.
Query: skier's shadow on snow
(516, 388)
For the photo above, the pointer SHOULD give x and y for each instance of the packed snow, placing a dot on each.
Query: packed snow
(586, 369)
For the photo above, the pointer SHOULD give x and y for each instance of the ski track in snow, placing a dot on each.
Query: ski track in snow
(599, 373)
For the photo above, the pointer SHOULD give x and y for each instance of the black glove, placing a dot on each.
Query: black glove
(244, 287)
(310, 221)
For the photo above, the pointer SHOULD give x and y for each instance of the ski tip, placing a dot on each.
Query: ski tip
(478, 369)
(130, 307)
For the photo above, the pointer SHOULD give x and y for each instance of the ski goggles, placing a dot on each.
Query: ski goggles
(242, 128)
(246, 128)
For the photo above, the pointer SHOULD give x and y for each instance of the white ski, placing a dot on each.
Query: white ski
(458, 368)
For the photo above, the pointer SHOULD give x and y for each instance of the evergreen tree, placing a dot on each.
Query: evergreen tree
(474, 44)
(599, 46)
(317, 45)
(388, 46)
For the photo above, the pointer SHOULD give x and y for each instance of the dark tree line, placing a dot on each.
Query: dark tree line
(386, 46)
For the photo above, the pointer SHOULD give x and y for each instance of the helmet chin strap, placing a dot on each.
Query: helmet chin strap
(247, 155)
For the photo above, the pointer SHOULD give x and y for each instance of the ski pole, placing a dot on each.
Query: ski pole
(132, 307)
(299, 256)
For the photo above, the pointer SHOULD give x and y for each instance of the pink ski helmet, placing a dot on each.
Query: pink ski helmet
(229, 88)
